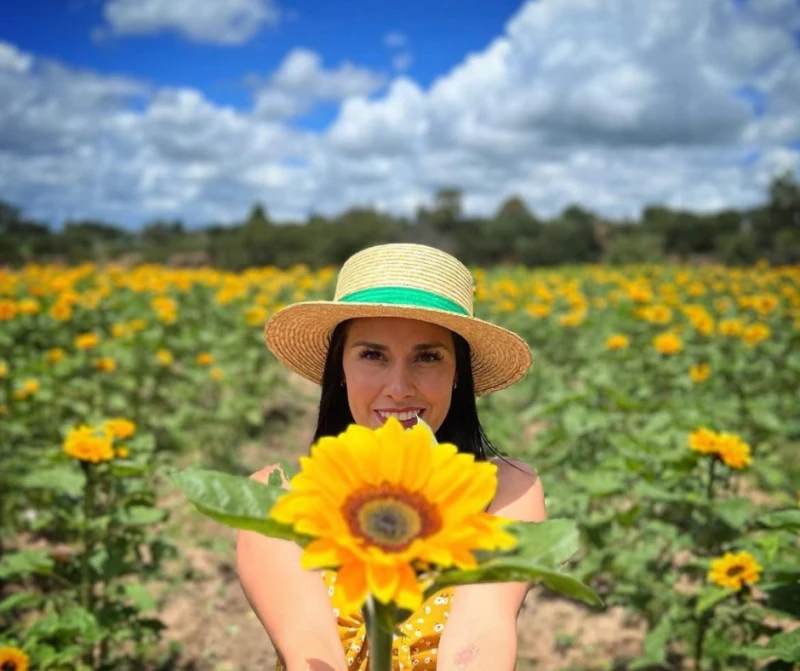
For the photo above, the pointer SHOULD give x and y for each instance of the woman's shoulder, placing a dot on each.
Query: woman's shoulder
(508, 466)
(519, 493)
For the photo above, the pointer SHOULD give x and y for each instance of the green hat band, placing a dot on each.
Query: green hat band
(418, 298)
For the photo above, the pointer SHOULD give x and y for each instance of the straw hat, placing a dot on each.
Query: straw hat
(399, 280)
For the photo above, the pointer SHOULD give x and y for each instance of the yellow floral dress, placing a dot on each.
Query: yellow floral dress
(415, 650)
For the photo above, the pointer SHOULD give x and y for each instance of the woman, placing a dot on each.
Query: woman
(399, 339)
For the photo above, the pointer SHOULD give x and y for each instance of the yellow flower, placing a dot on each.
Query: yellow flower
(733, 570)
(383, 503)
(755, 334)
(105, 364)
(733, 451)
(255, 315)
(8, 310)
(165, 357)
(205, 358)
(122, 452)
(703, 440)
(217, 374)
(13, 659)
(699, 372)
(668, 343)
(28, 388)
(138, 324)
(617, 341)
(731, 327)
(55, 355)
(538, 310)
(119, 330)
(29, 306)
(87, 341)
(120, 427)
(61, 311)
(89, 444)
(3, 369)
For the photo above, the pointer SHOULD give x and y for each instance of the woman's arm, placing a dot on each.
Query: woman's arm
(290, 602)
(481, 633)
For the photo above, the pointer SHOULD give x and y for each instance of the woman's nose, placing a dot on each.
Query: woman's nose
(400, 383)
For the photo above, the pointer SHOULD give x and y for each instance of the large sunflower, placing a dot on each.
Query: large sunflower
(383, 504)
(13, 659)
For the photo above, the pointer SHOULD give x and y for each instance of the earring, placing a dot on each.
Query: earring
(342, 382)
(455, 384)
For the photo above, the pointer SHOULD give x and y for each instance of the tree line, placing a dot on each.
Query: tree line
(512, 235)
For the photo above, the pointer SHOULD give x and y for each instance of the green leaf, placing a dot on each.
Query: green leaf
(517, 569)
(140, 596)
(549, 543)
(655, 646)
(599, 483)
(19, 600)
(59, 479)
(734, 512)
(541, 548)
(25, 563)
(710, 596)
(781, 519)
(236, 501)
(125, 469)
(785, 646)
(136, 516)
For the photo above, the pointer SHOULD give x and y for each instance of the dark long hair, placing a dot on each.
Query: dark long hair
(461, 426)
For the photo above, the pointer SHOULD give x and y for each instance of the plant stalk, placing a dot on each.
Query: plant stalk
(379, 620)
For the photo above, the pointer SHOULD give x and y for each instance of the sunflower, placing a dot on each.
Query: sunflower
(703, 440)
(120, 427)
(668, 343)
(13, 659)
(733, 451)
(617, 341)
(88, 444)
(733, 570)
(699, 372)
(383, 504)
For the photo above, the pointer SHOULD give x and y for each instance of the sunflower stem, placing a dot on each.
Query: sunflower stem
(380, 622)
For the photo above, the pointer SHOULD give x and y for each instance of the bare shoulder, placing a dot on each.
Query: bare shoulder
(519, 494)
(263, 474)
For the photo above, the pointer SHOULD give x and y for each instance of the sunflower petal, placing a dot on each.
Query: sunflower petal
(382, 580)
(351, 585)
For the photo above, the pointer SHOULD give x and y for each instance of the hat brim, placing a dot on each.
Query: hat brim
(299, 336)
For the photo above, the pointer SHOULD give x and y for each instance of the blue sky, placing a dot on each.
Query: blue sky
(437, 36)
(130, 110)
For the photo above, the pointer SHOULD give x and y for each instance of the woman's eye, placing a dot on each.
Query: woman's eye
(430, 357)
(370, 354)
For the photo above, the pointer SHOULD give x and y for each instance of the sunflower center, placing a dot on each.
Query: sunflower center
(733, 571)
(390, 517)
(8, 666)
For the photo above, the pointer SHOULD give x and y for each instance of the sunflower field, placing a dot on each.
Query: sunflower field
(662, 414)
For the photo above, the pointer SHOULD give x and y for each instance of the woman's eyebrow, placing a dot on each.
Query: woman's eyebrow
(416, 348)
(429, 345)
(371, 345)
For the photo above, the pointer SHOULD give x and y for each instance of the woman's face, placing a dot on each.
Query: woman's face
(399, 367)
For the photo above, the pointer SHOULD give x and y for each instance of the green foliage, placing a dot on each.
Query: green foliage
(513, 235)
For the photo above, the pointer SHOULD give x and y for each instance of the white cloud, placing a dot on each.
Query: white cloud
(212, 21)
(612, 104)
(301, 80)
(13, 59)
(395, 39)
